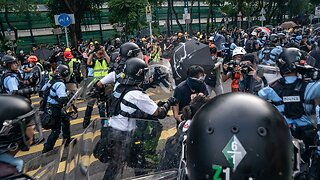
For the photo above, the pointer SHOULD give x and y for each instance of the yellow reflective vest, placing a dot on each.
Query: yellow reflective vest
(100, 69)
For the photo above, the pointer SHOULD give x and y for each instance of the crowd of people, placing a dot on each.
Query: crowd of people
(120, 69)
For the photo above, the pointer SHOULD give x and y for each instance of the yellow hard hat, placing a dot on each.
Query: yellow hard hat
(67, 50)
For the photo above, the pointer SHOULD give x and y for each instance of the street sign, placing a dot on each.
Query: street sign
(262, 11)
(317, 11)
(185, 10)
(148, 13)
(64, 20)
(56, 19)
(262, 18)
(149, 18)
(186, 16)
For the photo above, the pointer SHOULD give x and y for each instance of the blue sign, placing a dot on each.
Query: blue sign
(64, 20)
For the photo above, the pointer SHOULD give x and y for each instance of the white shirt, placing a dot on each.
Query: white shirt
(109, 78)
(142, 101)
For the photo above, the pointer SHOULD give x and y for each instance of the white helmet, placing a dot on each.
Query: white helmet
(238, 51)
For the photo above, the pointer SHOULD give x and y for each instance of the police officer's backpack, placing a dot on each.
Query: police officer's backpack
(2, 77)
(46, 121)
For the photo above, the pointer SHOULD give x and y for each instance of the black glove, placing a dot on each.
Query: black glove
(172, 101)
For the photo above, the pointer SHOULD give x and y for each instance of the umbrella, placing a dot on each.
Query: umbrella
(188, 54)
(43, 53)
(269, 27)
(314, 58)
(288, 25)
(219, 41)
(258, 30)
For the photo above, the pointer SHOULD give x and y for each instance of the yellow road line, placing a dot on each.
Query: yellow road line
(164, 135)
(39, 147)
(34, 97)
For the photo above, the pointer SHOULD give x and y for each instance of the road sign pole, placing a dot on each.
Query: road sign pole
(150, 26)
(67, 40)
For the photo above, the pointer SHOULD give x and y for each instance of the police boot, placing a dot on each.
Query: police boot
(314, 171)
(87, 117)
(86, 122)
(67, 141)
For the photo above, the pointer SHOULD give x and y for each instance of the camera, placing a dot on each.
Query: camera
(232, 64)
(245, 68)
(309, 72)
(97, 46)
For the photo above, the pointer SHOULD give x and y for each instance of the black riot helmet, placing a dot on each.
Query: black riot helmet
(134, 71)
(274, 38)
(128, 50)
(62, 71)
(16, 114)
(7, 60)
(241, 136)
(287, 59)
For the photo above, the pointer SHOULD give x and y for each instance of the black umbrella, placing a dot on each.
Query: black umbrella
(314, 58)
(43, 53)
(187, 54)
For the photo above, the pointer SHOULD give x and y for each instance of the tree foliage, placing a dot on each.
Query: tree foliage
(130, 14)
(77, 7)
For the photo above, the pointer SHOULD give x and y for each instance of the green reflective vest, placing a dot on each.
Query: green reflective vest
(100, 69)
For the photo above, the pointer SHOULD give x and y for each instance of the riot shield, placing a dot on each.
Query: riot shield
(271, 73)
(87, 86)
(135, 154)
(36, 76)
(45, 166)
(161, 72)
(84, 87)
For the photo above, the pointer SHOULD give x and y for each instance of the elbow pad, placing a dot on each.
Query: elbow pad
(63, 100)
(25, 91)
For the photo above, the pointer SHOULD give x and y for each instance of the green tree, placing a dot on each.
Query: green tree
(15, 7)
(77, 7)
(130, 14)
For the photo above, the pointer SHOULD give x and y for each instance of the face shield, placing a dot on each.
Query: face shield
(161, 75)
(25, 130)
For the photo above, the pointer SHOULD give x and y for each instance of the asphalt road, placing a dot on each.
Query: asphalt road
(77, 129)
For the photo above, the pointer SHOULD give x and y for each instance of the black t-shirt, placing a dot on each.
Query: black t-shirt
(183, 93)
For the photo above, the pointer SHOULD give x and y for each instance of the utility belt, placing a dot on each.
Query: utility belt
(53, 106)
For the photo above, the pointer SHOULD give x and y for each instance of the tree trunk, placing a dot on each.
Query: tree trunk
(209, 15)
(168, 18)
(176, 16)
(9, 23)
(191, 19)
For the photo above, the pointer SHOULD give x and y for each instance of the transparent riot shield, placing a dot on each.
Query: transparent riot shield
(271, 73)
(79, 155)
(145, 151)
(86, 87)
(45, 166)
(161, 72)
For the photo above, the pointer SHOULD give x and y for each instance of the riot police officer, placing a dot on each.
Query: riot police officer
(127, 50)
(239, 136)
(55, 101)
(17, 125)
(270, 53)
(10, 80)
(294, 98)
(133, 103)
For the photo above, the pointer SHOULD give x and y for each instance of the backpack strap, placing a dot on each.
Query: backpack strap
(138, 113)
